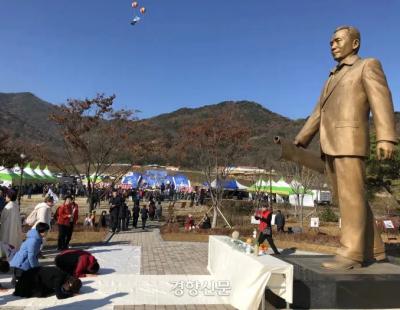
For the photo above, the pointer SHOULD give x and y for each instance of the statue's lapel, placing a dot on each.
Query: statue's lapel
(331, 85)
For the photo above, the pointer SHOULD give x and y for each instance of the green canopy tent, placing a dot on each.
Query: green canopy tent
(91, 178)
(262, 186)
(50, 177)
(29, 172)
(282, 188)
(26, 178)
(7, 177)
(39, 172)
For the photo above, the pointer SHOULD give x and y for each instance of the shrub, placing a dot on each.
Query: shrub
(327, 215)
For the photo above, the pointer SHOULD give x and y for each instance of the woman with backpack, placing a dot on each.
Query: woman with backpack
(41, 214)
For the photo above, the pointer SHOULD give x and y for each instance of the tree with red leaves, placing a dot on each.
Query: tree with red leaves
(95, 137)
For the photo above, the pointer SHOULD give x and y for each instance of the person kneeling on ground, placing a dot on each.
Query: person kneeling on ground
(27, 256)
(206, 222)
(189, 222)
(4, 268)
(45, 281)
(77, 263)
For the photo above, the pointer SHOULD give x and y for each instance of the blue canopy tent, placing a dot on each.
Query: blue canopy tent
(131, 178)
(231, 185)
(154, 178)
(169, 179)
(181, 180)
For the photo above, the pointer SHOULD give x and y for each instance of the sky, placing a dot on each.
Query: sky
(188, 53)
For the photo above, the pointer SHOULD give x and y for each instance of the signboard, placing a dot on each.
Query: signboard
(314, 222)
(254, 221)
(388, 224)
(325, 196)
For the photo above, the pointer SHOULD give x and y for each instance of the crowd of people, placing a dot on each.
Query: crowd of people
(121, 216)
(29, 278)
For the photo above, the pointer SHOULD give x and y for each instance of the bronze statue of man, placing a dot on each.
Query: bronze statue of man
(355, 88)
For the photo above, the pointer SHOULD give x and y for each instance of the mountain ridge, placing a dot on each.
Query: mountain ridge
(26, 116)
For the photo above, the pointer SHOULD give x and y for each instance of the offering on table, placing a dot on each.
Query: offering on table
(235, 235)
(263, 248)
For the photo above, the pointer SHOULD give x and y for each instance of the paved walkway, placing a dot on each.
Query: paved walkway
(160, 257)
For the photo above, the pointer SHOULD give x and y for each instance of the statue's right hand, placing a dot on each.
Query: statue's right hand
(296, 142)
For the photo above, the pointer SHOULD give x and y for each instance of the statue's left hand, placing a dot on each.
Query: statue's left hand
(385, 150)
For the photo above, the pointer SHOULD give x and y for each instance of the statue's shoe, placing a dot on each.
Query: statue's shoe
(341, 263)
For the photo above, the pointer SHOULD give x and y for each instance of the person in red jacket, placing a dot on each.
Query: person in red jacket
(264, 228)
(77, 263)
(64, 216)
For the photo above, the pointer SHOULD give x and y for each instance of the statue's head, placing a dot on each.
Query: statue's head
(345, 42)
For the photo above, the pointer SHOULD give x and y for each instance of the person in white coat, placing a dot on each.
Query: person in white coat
(43, 211)
(11, 230)
(43, 215)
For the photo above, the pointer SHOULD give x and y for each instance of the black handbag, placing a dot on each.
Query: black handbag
(267, 231)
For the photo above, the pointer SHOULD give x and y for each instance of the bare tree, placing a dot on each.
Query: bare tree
(95, 137)
(303, 180)
(213, 145)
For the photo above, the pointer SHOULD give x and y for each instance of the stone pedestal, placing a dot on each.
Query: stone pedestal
(375, 286)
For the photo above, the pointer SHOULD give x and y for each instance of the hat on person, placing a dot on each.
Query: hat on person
(49, 199)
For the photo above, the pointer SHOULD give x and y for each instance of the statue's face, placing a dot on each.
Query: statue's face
(342, 45)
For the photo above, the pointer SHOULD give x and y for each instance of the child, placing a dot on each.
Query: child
(88, 220)
(93, 219)
(27, 256)
(103, 220)
(189, 222)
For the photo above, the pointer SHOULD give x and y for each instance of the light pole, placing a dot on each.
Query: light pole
(270, 187)
(22, 156)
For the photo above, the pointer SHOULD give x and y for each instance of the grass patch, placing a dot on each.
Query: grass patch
(80, 236)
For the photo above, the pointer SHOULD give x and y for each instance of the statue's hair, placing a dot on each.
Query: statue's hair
(354, 33)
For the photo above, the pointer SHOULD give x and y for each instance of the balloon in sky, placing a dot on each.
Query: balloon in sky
(142, 10)
(135, 20)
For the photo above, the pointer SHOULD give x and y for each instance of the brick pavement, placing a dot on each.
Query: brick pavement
(160, 257)
(167, 257)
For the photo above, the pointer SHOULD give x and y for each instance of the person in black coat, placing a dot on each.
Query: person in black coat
(152, 209)
(45, 281)
(280, 221)
(123, 210)
(145, 214)
(206, 223)
(135, 213)
(116, 203)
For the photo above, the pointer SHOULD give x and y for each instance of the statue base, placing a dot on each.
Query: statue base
(371, 287)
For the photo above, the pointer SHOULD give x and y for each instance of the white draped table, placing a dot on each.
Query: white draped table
(249, 275)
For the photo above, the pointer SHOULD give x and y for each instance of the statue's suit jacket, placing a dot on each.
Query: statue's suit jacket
(342, 112)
